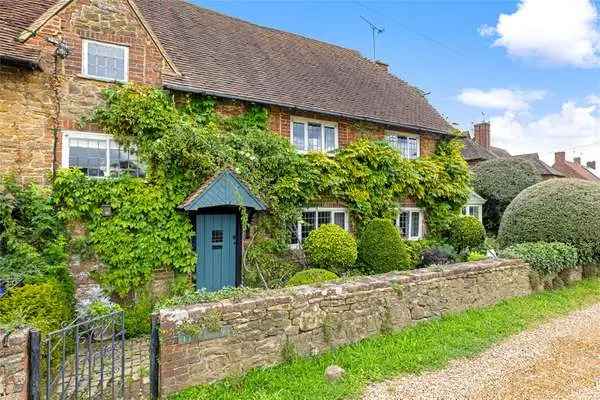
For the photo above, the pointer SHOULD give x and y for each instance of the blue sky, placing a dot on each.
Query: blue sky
(533, 72)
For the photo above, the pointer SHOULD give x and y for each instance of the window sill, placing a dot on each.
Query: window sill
(100, 79)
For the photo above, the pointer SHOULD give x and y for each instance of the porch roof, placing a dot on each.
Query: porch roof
(223, 189)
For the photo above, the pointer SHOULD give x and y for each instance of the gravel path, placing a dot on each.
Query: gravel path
(558, 360)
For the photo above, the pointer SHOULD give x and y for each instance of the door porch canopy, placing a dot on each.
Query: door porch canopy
(225, 189)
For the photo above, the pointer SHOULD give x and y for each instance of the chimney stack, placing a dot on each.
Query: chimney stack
(591, 164)
(577, 160)
(560, 157)
(481, 132)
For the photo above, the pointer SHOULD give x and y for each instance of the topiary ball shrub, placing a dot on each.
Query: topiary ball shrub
(545, 258)
(499, 182)
(439, 255)
(313, 275)
(330, 247)
(381, 249)
(557, 210)
(466, 232)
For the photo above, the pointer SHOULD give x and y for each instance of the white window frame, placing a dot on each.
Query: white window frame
(406, 135)
(317, 210)
(66, 135)
(323, 124)
(478, 207)
(84, 61)
(411, 210)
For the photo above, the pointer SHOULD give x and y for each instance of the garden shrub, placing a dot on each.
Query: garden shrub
(267, 264)
(545, 258)
(499, 182)
(138, 316)
(557, 210)
(44, 306)
(312, 275)
(438, 255)
(466, 232)
(32, 238)
(330, 247)
(476, 256)
(381, 249)
(416, 248)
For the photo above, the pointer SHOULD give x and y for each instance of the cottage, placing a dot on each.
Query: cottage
(57, 55)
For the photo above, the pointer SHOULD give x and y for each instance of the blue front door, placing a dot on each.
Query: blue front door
(216, 246)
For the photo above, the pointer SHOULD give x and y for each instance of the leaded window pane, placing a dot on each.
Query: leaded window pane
(324, 217)
(403, 223)
(122, 161)
(415, 223)
(309, 220)
(106, 61)
(89, 155)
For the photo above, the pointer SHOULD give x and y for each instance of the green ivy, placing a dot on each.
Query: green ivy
(145, 231)
(184, 141)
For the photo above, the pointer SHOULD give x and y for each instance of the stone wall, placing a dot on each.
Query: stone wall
(207, 342)
(13, 364)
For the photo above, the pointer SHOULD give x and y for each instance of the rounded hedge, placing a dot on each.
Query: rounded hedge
(499, 182)
(557, 210)
(312, 275)
(546, 258)
(381, 249)
(330, 247)
(466, 232)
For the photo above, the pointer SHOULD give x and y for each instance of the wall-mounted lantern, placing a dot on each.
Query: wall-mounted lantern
(106, 210)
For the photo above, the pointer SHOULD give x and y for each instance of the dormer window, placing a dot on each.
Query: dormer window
(105, 61)
(312, 135)
(406, 143)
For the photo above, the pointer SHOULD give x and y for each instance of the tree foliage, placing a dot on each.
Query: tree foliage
(499, 182)
(558, 210)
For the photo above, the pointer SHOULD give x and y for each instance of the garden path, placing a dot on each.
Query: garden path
(558, 360)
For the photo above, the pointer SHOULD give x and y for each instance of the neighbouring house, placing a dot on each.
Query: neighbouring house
(574, 169)
(57, 55)
(479, 149)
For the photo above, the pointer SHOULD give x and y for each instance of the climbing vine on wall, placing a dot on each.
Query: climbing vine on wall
(184, 141)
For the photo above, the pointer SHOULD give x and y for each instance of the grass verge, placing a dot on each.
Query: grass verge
(425, 346)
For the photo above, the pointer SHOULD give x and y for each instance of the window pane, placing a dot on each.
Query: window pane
(294, 233)
(314, 137)
(89, 155)
(392, 140)
(403, 146)
(309, 219)
(329, 138)
(415, 222)
(299, 136)
(413, 151)
(106, 61)
(403, 223)
(339, 218)
(122, 161)
(324, 217)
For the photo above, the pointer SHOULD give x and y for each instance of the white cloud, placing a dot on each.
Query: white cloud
(486, 30)
(574, 129)
(554, 31)
(502, 99)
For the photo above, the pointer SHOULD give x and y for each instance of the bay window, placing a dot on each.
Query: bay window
(473, 211)
(311, 135)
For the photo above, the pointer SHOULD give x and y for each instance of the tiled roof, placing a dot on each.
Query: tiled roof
(540, 166)
(13, 21)
(473, 151)
(228, 57)
(499, 152)
(575, 170)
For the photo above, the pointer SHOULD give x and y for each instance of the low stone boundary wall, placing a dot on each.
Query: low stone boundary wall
(207, 342)
(13, 364)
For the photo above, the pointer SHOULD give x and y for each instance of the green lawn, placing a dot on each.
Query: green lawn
(425, 346)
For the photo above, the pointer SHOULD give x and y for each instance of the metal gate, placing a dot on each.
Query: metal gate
(85, 359)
